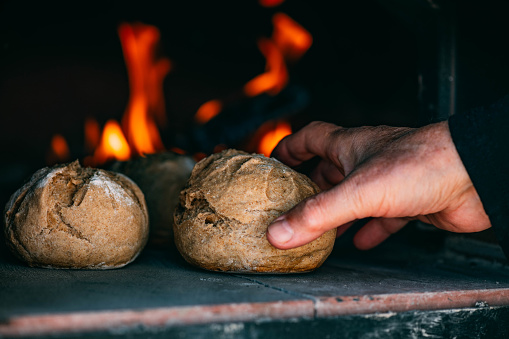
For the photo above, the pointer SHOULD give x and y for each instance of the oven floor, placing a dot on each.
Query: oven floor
(404, 288)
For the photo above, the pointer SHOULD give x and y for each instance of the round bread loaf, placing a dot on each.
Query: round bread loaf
(226, 207)
(73, 217)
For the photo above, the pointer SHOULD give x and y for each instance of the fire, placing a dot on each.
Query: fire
(113, 144)
(289, 42)
(270, 3)
(138, 133)
(146, 105)
(290, 37)
(207, 111)
(273, 136)
(276, 75)
(59, 150)
(146, 75)
(92, 134)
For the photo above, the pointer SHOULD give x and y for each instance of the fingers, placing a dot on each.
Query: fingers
(343, 147)
(342, 229)
(313, 140)
(367, 191)
(326, 175)
(376, 231)
(311, 218)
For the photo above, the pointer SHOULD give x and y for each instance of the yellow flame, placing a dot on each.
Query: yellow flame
(113, 144)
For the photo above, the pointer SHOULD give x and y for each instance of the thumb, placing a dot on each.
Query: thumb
(314, 216)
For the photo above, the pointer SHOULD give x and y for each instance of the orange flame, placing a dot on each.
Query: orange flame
(270, 3)
(289, 42)
(207, 111)
(146, 104)
(272, 137)
(276, 75)
(290, 37)
(146, 75)
(113, 144)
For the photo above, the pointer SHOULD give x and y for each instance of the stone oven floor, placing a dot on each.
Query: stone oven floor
(400, 289)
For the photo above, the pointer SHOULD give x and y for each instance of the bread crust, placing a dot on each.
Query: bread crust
(161, 177)
(226, 207)
(73, 217)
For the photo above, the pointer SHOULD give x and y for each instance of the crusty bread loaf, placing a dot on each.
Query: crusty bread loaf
(73, 217)
(161, 177)
(226, 207)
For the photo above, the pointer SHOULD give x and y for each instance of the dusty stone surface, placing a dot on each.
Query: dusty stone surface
(72, 217)
(226, 207)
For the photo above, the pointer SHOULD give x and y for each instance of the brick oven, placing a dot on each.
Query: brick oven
(219, 75)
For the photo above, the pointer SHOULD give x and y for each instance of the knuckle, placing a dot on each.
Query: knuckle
(323, 127)
(312, 212)
(316, 123)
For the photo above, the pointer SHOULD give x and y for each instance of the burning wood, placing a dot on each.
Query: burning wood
(266, 97)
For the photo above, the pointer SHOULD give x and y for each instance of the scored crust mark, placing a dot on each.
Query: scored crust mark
(68, 228)
(73, 217)
(279, 184)
(199, 208)
(224, 211)
(126, 184)
(211, 219)
(17, 198)
(80, 193)
(68, 189)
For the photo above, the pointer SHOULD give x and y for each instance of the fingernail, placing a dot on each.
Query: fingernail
(280, 231)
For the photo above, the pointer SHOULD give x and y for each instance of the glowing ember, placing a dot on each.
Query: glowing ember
(59, 151)
(177, 150)
(207, 111)
(272, 137)
(92, 134)
(146, 75)
(270, 3)
(113, 144)
(276, 75)
(290, 37)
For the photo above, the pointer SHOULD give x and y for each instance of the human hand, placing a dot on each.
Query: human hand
(391, 174)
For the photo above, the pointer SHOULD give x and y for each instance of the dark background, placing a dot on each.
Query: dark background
(371, 62)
